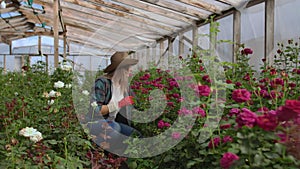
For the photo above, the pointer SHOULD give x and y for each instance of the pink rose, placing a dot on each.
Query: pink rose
(241, 95)
(227, 139)
(228, 159)
(268, 121)
(289, 111)
(176, 135)
(203, 90)
(246, 118)
(214, 142)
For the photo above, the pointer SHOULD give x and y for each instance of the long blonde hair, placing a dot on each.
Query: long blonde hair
(119, 77)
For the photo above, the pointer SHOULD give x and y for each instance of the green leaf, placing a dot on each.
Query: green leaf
(271, 155)
(239, 135)
(279, 148)
(52, 141)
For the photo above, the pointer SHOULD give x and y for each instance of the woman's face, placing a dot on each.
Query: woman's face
(128, 72)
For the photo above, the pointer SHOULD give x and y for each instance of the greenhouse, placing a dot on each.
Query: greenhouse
(149, 84)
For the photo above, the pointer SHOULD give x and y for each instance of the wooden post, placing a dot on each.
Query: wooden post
(148, 58)
(269, 27)
(55, 31)
(65, 46)
(195, 37)
(181, 44)
(161, 52)
(4, 63)
(39, 44)
(236, 34)
(170, 52)
(10, 48)
(47, 63)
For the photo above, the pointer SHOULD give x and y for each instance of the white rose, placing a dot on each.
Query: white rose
(85, 92)
(68, 86)
(50, 102)
(66, 67)
(52, 93)
(28, 132)
(59, 84)
(16, 93)
(94, 104)
(37, 137)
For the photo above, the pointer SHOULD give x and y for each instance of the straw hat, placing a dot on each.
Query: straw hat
(118, 59)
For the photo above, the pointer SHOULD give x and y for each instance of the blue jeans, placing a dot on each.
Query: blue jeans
(97, 127)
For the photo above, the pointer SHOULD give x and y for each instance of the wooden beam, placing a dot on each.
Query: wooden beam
(55, 31)
(102, 17)
(8, 9)
(254, 2)
(236, 34)
(155, 9)
(114, 27)
(116, 13)
(15, 25)
(203, 5)
(12, 20)
(233, 3)
(109, 34)
(179, 9)
(118, 26)
(4, 39)
(269, 27)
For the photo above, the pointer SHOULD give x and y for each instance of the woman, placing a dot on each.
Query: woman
(108, 120)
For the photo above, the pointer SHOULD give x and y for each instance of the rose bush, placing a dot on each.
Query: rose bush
(257, 129)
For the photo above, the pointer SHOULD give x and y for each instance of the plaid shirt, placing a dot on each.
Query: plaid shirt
(101, 93)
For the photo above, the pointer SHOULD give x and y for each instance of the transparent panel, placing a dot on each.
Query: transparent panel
(4, 48)
(286, 13)
(35, 59)
(203, 36)
(1, 61)
(224, 49)
(10, 63)
(253, 28)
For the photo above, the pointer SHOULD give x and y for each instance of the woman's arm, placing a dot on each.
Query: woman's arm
(102, 89)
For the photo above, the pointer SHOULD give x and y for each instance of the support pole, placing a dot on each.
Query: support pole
(10, 48)
(4, 63)
(55, 31)
(65, 46)
(269, 27)
(161, 52)
(195, 37)
(181, 44)
(236, 34)
(39, 44)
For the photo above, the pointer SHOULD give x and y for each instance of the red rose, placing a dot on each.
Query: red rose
(241, 95)
(289, 111)
(228, 159)
(268, 121)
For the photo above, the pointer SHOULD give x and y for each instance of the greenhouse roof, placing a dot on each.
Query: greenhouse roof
(109, 24)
